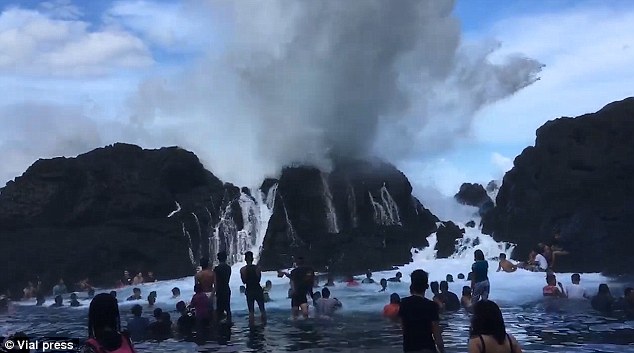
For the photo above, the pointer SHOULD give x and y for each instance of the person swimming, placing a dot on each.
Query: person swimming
(59, 301)
(73, 300)
(396, 278)
(390, 310)
(136, 294)
(368, 278)
(506, 265)
(383, 283)
(176, 292)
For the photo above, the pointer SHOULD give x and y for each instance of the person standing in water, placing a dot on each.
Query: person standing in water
(301, 286)
(223, 292)
(420, 318)
(251, 275)
(480, 280)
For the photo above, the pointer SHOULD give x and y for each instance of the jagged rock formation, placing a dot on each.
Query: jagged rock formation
(446, 236)
(361, 215)
(475, 195)
(120, 207)
(577, 179)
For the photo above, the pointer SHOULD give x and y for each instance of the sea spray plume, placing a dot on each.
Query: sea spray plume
(308, 81)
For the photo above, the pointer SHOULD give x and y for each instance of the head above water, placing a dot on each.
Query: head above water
(136, 291)
(248, 257)
(444, 286)
(103, 314)
(222, 256)
(487, 320)
(434, 287)
(461, 276)
(137, 310)
(59, 299)
(466, 291)
(399, 275)
(176, 291)
(419, 282)
(181, 306)
(268, 284)
(575, 278)
(157, 313)
(449, 278)
(383, 282)
(151, 300)
(113, 293)
(204, 263)
(604, 289)
(395, 298)
(368, 274)
(502, 256)
(73, 296)
(478, 255)
(551, 279)
(325, 293)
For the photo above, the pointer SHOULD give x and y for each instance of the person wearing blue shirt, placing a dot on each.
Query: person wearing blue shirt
(480, 279)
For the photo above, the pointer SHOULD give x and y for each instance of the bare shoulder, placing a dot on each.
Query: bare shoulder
(516, 345)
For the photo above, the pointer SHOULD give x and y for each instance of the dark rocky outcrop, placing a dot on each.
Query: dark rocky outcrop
(361, 215)
(475, 195)
(577, 180)
(446, 236)
(107, 210)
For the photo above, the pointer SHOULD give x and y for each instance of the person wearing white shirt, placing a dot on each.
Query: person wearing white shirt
(575, 290)
(541, 262)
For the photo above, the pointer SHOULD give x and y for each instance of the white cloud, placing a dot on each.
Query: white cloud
(502, 163)
(181, 26)
(588, 52)
(64, 9)
(32, 42)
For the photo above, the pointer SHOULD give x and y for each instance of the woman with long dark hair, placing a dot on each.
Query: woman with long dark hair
(488, 333)
(104, 327)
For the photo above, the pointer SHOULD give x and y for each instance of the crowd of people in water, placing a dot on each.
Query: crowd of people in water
(210, 308)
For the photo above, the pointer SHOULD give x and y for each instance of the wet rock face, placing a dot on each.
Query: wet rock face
(105, 211)
(577, 180)
(361, 215)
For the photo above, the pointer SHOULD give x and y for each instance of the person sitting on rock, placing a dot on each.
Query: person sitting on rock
(557, 250)
(73, 300)
(150, 277)
(506, 265)
(60, 288)
(29, 291)
(383, 283)
(138, 279)
(390, 311)
(127, 279)
(368, 278)
(396, 278)
(59, 301)
(136, 294)
(603, 301)
(546, 252)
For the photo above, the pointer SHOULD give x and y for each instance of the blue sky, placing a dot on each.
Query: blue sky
(77, 75)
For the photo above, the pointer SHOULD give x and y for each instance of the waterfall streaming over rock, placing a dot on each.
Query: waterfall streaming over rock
(331, 214)
(352, 205)
(190, 245)
(390, 206)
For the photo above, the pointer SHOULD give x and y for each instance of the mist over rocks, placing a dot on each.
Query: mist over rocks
(360, 216)
(577, 180)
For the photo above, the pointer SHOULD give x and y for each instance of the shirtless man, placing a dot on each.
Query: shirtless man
(206, 278)
(506, 265)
